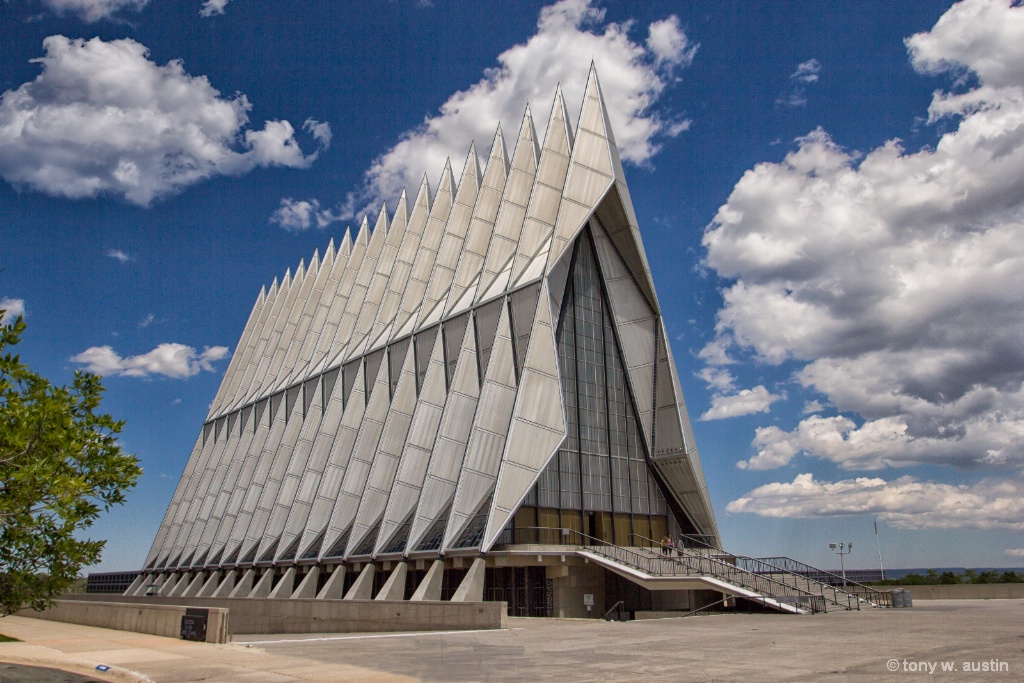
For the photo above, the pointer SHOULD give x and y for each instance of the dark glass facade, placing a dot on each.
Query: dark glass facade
(599, 482)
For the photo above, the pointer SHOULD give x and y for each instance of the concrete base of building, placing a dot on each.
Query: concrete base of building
(243, 588)
(285, 585)
(137, 616)
(362, 589)
(211, 584)
(171, 582)
(430, 587)
(394, 587)
(180, 586)
(573, 585)
(250, 615)
(136, 584)
(263, 587)
(226, 585)
(307, 586)
(195, 585)
(334, 587)
(151, 584)
(472, 587)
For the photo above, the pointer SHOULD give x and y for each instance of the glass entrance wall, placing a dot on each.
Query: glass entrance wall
(527, 590)
(599, 482)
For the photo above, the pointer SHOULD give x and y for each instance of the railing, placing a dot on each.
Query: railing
(777, 577)
(539, 536)
(788, 564)
(685, 564)
(810, 594)
(619, 609)
(799, 581)
(744, 600)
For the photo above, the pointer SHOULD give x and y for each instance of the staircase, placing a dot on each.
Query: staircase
(794, 572)
(784, 566)
(783, 584)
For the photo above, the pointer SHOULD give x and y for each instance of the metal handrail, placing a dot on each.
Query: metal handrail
(852, 600)
(618, 608)
(755, 599)
(879, 598)
(822, 591)
(705, 607)
(852, 587)
(758, 566)
(665, 565)
(697, 537)
(822, 588)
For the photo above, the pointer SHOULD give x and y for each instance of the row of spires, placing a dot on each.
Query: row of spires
(471, 165)
(491, 233)
(478, 238)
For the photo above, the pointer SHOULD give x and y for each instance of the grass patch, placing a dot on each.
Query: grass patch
(5, 639)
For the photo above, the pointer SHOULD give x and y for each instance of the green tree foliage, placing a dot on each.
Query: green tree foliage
(60, 467)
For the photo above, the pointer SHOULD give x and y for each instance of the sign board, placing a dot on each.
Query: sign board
(588, 599)
(193, 624)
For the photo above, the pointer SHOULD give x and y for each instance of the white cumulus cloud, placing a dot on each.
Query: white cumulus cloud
(1015, 552)
(807, 72)
(717, 378)
(892, 279)
(814, 406)
(119, 255)
(94, 10)
(177, 361)
(795, 94)
(12, 309)
(211, 7)
(743, 402)
(102, 118)
(904, 503)
(570, 34)
(296, 215)
(667, 40)
(320, 130)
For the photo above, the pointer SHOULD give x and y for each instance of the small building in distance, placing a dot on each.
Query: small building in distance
(110, 582)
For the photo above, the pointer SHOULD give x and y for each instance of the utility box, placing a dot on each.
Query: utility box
(901, 598)
(193, 624)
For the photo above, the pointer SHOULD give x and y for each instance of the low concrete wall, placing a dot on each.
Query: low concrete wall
(158, 620)
(259, 615)
(640, 615)
(974, 591)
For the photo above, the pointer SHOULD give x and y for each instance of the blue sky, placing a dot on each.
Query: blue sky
(831, 197)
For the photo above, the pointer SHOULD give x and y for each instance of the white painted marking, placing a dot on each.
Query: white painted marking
(381, 635)
(140, 676)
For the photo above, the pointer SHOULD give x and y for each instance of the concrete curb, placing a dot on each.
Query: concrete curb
(59, 660)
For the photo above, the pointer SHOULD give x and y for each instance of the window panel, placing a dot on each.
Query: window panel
(602, 465)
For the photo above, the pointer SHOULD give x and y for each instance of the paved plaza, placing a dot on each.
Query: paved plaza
(987, 635)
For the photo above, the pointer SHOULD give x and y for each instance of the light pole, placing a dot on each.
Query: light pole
(841, 549)
(881, 566)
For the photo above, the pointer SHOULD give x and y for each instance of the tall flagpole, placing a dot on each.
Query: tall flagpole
(879, 547)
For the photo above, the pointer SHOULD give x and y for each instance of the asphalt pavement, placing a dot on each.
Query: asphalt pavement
(950, 640)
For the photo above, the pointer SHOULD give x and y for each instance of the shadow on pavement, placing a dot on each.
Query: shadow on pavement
(19, 673)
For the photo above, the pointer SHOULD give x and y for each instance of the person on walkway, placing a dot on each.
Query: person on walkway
(671, 547)
(665, 541)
